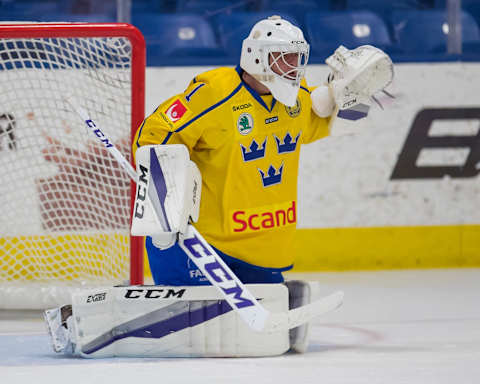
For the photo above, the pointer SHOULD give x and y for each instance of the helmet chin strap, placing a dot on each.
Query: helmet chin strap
(263, 77)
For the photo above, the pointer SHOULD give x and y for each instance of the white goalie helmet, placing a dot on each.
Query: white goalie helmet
(275, 53)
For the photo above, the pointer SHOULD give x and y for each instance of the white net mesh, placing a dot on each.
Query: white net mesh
(64, 201)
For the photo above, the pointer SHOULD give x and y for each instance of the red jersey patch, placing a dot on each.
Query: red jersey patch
(176, 111)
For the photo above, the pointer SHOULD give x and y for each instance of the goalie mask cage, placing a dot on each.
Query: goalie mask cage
(65, 220)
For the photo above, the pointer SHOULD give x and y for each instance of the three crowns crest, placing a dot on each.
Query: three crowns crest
(256, 151)
(286, 145)
(272, 177)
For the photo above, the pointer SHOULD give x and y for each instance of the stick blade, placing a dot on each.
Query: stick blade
(301, 315)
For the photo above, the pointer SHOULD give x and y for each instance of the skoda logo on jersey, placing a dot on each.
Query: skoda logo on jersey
(245, 123)
(240, 107)
(295, 110)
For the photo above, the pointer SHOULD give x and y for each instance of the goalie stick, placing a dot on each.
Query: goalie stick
(217, 272)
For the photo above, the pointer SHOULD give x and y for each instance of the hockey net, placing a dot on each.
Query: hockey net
(65, 203)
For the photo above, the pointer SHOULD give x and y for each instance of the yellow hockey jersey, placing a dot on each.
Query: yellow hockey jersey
(247, 148)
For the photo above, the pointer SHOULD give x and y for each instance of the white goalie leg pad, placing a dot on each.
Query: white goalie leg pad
(301, 293)
(163, 321)
(168, 192)
(59, 336)
(60, 328)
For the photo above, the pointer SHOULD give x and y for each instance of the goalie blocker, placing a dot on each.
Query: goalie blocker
(168, 193)
(172, 321)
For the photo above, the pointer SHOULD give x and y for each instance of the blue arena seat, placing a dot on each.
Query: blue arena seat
(380, 4)
(110, 6)
(28, 10)
(144, 6)
(77, 18)
(209, 8)
(233, 29)
(170, 36)
(470, 6)
(92, 6)
(327, 30)
(66, 10)
(473, 8)
(384, 8)
(427, 31)
(296, 8)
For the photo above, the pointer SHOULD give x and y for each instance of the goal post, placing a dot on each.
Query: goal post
(65, 203)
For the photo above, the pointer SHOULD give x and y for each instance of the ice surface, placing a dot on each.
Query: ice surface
(420, 326)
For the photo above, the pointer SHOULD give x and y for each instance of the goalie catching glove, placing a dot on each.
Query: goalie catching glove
(168, 193)
(357, 75)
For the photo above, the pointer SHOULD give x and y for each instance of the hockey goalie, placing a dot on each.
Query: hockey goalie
(224, 155)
